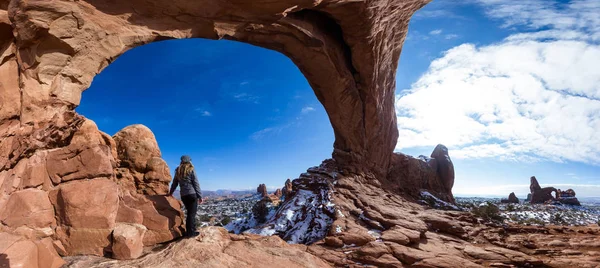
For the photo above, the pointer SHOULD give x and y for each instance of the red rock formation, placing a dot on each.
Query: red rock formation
(262, 190)
(287, 189)
(541, 195)
(568, 193)
(512, 198)
(278, 193)
(567, 197)
(71, 194)
(538, 194)
(140, 161)
(410, 175)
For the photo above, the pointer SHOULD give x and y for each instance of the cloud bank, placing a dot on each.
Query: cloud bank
(534, 96)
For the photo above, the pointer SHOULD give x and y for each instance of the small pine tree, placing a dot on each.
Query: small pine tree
(260, 211)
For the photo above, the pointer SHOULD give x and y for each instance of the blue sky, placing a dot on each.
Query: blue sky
(511, 88)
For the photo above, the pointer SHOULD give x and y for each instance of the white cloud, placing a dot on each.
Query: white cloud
(534, 96)
(203, 112)
(261, 133)
(270, 131)
(436, 32)
(307, 109)
(536, 14)
(245, 97)
(451, 36)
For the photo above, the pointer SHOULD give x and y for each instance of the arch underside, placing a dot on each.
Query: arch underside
(348, 51)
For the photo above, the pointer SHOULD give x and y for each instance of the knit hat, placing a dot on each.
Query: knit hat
(186, 159)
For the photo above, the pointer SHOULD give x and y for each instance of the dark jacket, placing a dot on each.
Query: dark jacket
(188, 185)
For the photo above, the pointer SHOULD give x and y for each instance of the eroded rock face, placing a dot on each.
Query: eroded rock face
(287, 189)
(411, 176)
(62, 186)
(29, 207)
(512, 198)
(140, 161)
(262, 190)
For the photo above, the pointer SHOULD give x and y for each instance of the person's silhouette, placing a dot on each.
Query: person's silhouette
(185, 178)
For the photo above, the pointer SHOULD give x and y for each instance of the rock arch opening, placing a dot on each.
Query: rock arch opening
(245, 114)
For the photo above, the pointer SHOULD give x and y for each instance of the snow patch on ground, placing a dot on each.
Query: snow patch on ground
(239, 225)
(540, 214)
(428, 199)
(304, 219)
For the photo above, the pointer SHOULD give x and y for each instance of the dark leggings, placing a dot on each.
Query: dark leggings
(191, 206)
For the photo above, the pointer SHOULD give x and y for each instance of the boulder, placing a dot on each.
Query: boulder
(445, 167)
(161, 215)
(128, 241)
(36, 173)
(29, 207)
(84, 241)
(47, 255)
(16, 251)
(136, 145)
(157, 177)
(127, 214)
(74, 163)
(140, 167)
(89, 204)
(23, 254)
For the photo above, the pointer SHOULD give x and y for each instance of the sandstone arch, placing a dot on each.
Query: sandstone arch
(348, 52)
(51, 50)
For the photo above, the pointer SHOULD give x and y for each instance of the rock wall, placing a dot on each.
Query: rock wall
(410, 176)
(72, 194)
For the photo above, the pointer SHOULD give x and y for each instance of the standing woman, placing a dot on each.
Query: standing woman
(185, 177)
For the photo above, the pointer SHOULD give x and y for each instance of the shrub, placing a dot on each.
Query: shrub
(510, 207)
(558, 219)
(204, 218)
(534, 221)
(489, 212)
(260, 211)
(226, 220)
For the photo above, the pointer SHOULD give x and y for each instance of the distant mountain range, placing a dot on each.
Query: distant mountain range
(222, 193)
